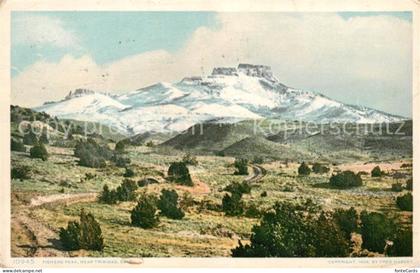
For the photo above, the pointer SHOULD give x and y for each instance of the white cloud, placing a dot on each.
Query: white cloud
(41, 30)
(364, 60)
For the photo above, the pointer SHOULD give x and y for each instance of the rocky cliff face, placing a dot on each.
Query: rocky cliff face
(80, 92)
(262, 71)
(229, 94)
(226, 71)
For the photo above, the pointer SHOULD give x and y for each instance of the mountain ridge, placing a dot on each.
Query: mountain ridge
(228, 94)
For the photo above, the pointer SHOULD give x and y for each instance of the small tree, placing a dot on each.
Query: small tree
(84, 235)
(129, 172)
(409, 184)
(90, 232)
(232, 204)
(107, 196)
(402, 244)
(168, 204)
(70, 237)
(346, 179)
(17, 145)
(304, 169)
(376, 172)
(145, 214)
(120, 161)
(288, 231)
(179, 173)
(120, 146)
(91, 154)
(20, 172)
(346, 220)
(30, 137)
(190, 159)
(127, 190)
(376, 229)
(405, 202)
(241, 165)
(397, 187)
(39, 151)
(239, 188)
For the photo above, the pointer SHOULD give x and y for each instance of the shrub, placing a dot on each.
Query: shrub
(70, 237)
(264, 194)
(168, 204)
(232, 204)
(107, 196)
(405, 202)
(320, 169)
(120, 146)
(127, 190)
(304, 169)
(187, 201)
(90, 176)
(91, 154)
(376, 172)
(241, 165)
(129, 172)
(150, 144)
(406, 165)
(346, 179)
(90, 160)
(402, 244)
(120, 161)
(397, 187)
(239, 188)
(30, 138)
(346, 220)
(84, 235)
(16, 145)
(39, 151)
(124, 192)
(20, 172)
(409, 184)
(179, 173)
(145, 214)
(287, 231)
(252, 211)
(188, 159)
(376, 229)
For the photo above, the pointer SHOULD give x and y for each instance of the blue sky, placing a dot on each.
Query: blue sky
(354, 57)
(109, 36)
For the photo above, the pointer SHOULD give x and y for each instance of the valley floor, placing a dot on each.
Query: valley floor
(58, 190)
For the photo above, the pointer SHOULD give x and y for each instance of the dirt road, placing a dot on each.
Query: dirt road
(258, 172)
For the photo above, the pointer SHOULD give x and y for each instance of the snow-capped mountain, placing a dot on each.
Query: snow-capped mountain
(229, 94)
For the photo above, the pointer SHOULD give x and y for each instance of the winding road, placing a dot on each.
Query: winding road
(258, 173)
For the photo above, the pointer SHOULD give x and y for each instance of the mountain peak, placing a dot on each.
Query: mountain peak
(79, 92)
(251, 70)
(247, 91)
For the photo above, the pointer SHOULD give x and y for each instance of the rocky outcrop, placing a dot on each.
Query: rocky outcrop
(80, 92)
(252, 70)
(192, 80)
(227, 71)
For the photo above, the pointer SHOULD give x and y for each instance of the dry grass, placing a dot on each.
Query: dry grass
(203, 232)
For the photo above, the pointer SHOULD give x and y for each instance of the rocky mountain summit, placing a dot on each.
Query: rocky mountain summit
(229, 94)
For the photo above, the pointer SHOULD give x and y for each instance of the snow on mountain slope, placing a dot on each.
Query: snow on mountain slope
(229, 94)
